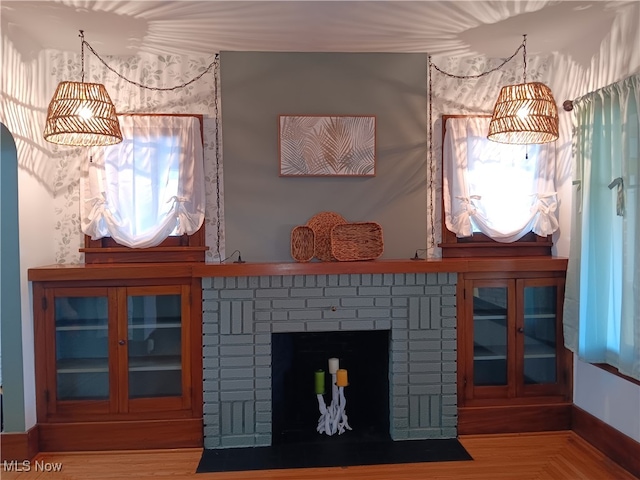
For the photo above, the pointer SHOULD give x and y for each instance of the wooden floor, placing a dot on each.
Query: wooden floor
(559, 455)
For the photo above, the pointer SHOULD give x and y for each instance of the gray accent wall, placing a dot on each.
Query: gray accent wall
(240, 314)
(261, 208)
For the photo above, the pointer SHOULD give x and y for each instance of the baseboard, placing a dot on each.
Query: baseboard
(121, 435)
(19, 446)
(514, 418)
(620, 448)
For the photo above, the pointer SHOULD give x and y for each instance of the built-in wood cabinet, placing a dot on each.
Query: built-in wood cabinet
(118, 362)
(514, 373)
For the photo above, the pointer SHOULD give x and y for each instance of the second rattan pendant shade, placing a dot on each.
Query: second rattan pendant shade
(524, 114)
(82, 114)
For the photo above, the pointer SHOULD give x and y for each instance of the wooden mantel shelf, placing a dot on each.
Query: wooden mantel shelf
(202, 270)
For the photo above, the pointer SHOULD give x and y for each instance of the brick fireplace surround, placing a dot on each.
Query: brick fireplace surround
(414, 300)
(241, 313)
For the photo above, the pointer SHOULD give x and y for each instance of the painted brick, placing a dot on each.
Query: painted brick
(449, 323)
(307, 292)
(235, 293)
(423, 345)
(310, 280)
(207, 307)
(357, 302)
(343, 279)
(332, 280)
(265, 282)
(375, 291)
(414, 313)
(399, 301)
(207, 283)
(236, 361)
(397, 334)
(210, 328)
(374, 313)
(289, 303)
(211, 351)
(262, 327)
(339, 313)
(236, 396)
(278, 316)
(432, 279)
(383, 324)
(298, 281)
(263, 350)
(424, 334)
(398, 279)
(305, 315)
(323, 326)
(236, 350)
(286, 281)
(425, 389)
(382, 301)
(408, 290)
(366, 279)
(397, 367)
(425, 319)
(449, 334)
(449, 356)
(449, 345)
(425, 367)
(340, 291)
(236, 441)
(449, 378)
(355, 279)
(425, 356)
(263, 316)
(210, 363)
(236, 339)
(282, 327)
(218, 283)
(263, 407)
(210, 295)
(235, 385)
(321, 302)
(262, 339)
(254, 282)
(399, 313)
(263, 372)
(208, 340)
(387, 278)
(401, 379)
(272, 292)
(236, 373)
(263, 383)
(424, 378)
(263, 428)
(448, 312)
(262, 304)
(432, 290)
(264, 440)
(443, 278)
(262, 360)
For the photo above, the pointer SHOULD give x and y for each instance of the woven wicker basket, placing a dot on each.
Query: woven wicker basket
(357, 241)
(302, 243)
(321, 224)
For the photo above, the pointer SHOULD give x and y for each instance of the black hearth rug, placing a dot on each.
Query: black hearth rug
(327, 454)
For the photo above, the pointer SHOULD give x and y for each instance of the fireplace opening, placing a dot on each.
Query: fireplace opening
(295, 359)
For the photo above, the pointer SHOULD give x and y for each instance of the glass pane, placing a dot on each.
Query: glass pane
(155, 345)
(82, 343)
(540, 334)
(490, 336)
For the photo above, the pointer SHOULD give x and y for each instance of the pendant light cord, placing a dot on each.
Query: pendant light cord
(138, 84)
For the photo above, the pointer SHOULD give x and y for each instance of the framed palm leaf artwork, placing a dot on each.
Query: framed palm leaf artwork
(329, 146)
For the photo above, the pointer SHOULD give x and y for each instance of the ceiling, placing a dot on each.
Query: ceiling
(493, 28)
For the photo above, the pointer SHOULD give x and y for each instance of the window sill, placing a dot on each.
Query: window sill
(614, 371)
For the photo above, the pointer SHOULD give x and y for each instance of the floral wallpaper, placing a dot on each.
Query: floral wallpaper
(467, 96)
(161, 71)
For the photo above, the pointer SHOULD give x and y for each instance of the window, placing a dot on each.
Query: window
(498, 199)
(602, 309)
(145, 197)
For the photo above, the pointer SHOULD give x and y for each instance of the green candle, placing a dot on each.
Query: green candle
(319, 382)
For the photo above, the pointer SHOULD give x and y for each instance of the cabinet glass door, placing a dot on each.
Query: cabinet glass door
(154, 345)
(540, 327)
(490, 322)
(82, 347)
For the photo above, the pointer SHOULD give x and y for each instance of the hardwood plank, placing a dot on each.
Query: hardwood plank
(557, 455)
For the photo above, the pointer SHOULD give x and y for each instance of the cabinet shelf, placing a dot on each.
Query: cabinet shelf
(136, 364)
(155, 326)
(76, 328)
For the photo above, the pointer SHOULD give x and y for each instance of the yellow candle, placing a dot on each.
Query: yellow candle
(341, 379)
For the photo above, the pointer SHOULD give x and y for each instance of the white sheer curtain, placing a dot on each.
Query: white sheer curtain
(503, 191)
(602, 300)
(148, 187)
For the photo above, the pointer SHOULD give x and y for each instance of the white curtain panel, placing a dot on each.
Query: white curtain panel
(503, 191)
(148, 187)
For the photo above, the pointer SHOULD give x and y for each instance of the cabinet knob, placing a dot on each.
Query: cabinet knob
(520, 330)
(121, 342)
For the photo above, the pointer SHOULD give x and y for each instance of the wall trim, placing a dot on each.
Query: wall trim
(19, 446)
(620, 448)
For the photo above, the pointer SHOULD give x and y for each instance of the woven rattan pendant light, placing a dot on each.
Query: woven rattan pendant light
(82, 114)
(525, 113)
